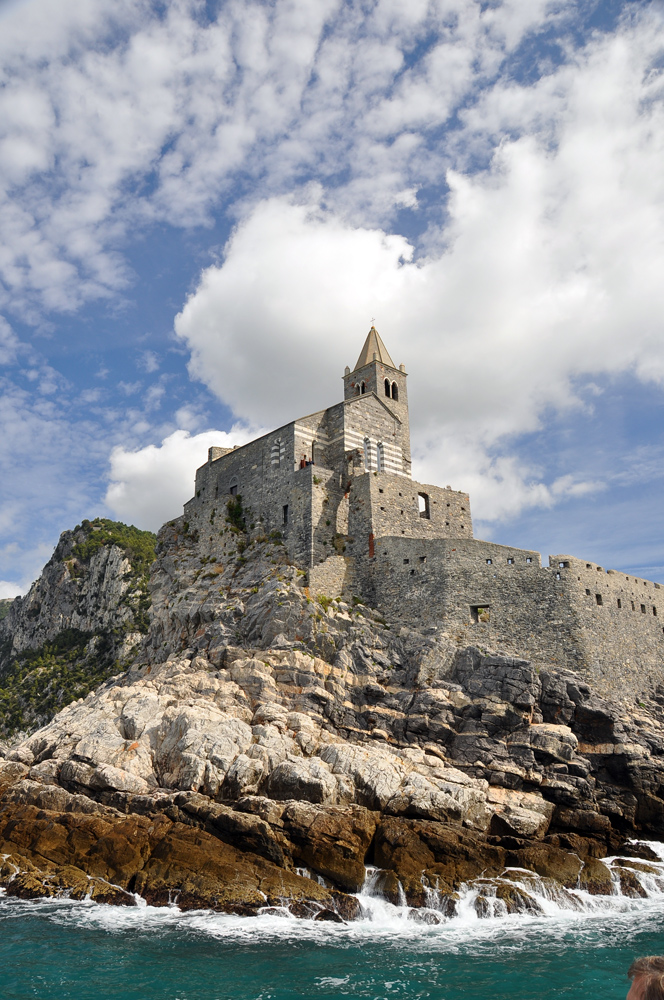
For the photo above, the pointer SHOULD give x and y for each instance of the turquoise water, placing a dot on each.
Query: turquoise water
(55, 950)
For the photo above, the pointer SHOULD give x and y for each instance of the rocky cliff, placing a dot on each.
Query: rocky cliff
(263, 747)
(78, 623)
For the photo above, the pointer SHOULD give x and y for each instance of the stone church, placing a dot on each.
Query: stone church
(337, 488)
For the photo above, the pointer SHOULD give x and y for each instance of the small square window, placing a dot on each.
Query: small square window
(406, 561)
(510, 562)
(557, 576)
(379, 490)
(489, 562)
(587, 592)
(423, 559)
(528, 559)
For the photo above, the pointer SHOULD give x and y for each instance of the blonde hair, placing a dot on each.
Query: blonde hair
(651, 968)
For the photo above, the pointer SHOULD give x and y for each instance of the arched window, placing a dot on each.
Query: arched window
(232, 486)
(363, 387)
(367, 454)
(387, 387)
(275, 454)
(395, 391)
(380, 458)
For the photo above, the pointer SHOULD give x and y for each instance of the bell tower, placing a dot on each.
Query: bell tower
(376, 373)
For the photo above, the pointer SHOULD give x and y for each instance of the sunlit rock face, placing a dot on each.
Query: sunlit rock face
(265, 745)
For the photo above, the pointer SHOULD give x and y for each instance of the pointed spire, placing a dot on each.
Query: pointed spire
(374, 350)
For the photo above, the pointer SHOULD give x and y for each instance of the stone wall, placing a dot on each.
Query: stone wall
(386, 505)
(499, 597)
(621, 618)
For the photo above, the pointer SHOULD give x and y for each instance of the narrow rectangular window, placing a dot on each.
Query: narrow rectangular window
(423, 505)
(285, 513)
(598, 598)
(619, 603)
(643, 609)
(654, 610)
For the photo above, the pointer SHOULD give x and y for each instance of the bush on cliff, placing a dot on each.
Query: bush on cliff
(39, 682)
(138, 546)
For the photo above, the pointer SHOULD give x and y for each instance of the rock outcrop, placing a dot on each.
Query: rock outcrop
(263, 747)
(78, 624)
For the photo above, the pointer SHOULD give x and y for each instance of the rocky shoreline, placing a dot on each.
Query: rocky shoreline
(263, 747)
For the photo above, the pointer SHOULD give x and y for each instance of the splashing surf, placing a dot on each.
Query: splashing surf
(481, 919)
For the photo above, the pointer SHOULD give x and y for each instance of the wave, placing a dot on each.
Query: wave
(517, 910)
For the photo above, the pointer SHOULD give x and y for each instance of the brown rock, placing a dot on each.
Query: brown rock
(630, 885)
(50, 852)
(595, 878)
(549, 862)
(332, 840)
(454, 856)
(516, 899)
(197, 871)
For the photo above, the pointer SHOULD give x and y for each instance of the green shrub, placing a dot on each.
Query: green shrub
(138, 546)
(236, 514)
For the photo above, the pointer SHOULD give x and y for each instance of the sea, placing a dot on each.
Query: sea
(577, 946)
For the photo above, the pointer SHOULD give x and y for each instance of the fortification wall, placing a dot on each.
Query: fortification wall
(382, 505)
(622, 620)
(499, 597)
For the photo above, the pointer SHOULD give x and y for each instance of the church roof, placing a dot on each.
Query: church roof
(374, 350)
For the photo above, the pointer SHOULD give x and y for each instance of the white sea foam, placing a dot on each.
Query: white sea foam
(572, 916)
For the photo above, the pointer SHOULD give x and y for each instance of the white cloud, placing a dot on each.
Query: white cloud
(551, 270)
(150, 485)
(9, 343)
(118, 114)
(8, 589)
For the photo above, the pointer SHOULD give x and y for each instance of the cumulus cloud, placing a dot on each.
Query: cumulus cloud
(550, 270)
(120, 114)
(9, 590)
(149, 485)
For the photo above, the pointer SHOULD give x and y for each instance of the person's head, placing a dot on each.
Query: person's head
(647, 975)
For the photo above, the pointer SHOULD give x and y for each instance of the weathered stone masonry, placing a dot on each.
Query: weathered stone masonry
(337, 487)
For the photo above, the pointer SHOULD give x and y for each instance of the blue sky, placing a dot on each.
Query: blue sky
(203, 205)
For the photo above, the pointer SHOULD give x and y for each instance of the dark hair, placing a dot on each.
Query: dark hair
(651, 967)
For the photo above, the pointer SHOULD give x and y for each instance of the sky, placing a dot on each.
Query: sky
(204, 205)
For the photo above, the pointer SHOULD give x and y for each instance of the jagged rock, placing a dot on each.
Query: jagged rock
(259, 731)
